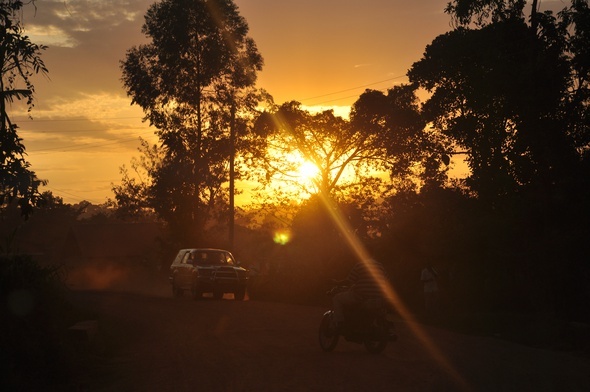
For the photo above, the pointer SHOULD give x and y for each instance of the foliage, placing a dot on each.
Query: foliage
(385, 134)
(20, 59)
(323, 139)
(514, 97)
(132, 196)
(483, 12)
(34, 318)
(397, 124)
(193, 81)
(574, 27)
(498, 93)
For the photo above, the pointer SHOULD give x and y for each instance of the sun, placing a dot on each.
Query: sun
(296, 176)
(308, 171)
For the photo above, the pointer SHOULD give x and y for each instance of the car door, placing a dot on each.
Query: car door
(184, 271)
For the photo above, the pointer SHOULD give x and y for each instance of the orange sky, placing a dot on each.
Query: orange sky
(319, 52)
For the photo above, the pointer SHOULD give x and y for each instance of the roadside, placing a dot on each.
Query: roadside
(534, 330)
(152, 342)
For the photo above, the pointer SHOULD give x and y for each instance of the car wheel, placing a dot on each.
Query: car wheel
(240, 294)
(177, 292)
(196, 293)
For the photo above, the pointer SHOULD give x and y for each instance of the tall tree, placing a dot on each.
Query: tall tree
(20, 59)
(326, 141)
(385, 134)
(514, 95)
(574, 26)
(499, 97)
(187, 79)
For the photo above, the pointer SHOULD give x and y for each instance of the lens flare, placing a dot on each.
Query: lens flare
(390, 293)
(282, 237)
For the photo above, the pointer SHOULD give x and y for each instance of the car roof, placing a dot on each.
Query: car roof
(204, 250)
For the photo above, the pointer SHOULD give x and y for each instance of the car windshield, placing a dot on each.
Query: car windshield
(211, 257)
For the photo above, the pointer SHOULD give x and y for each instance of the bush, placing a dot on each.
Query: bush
(34, 316)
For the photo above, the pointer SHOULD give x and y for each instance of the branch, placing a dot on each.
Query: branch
(18, 94)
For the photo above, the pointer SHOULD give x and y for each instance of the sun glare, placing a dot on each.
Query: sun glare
(308, 171)
(282, 237)
(296, 176)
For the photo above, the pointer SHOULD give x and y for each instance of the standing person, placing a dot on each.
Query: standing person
(428, 278)
(367, 280)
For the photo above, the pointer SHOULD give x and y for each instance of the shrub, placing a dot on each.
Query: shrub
(34, 315)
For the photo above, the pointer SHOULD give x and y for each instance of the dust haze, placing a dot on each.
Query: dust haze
(111, 276)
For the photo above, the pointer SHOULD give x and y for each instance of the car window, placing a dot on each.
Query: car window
(228, 259)
(209, 257)
(186, 258)
(219, 258)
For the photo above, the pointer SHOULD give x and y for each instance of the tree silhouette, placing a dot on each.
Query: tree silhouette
(500, 100)
(190, 81)
(514, 96)
(323, 139)
(20, 59)
(132, 195)
(483, 12)
(396, 123)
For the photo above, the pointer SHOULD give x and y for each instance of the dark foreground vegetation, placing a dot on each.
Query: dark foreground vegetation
(34, 317)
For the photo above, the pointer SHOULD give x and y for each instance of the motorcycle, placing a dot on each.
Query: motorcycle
(369, 323)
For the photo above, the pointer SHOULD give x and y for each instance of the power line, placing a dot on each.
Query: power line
(77, 197)
(352, 88)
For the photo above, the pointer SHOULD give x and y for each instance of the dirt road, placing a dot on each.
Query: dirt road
(157, 343)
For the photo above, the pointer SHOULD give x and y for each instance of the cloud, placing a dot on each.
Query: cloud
(89, 122)
(66, 23)
(85, 15)
(51, 36)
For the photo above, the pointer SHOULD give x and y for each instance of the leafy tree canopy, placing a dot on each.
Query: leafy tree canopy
(194, 82)
(501, 93)
(20, 59)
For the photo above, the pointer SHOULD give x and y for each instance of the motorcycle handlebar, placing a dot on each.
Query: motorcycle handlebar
(337, 289)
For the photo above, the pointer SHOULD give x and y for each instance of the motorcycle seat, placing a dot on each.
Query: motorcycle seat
(373, 305)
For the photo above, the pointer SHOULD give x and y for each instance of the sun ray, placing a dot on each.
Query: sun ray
(390, 293)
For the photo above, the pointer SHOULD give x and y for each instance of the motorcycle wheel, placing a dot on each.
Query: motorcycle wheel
(375, 346)
(327, 336)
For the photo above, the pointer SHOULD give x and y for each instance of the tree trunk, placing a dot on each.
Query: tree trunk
(534, 21)
(232, 156)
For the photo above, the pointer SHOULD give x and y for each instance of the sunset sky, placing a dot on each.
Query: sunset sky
(319, 52)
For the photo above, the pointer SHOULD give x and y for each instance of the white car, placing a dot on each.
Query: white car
(205, 270)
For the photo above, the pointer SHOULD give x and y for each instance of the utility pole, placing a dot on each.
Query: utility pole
(232, 157)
